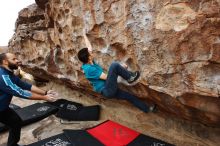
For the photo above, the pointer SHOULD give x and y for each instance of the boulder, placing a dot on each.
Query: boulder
(175, 45)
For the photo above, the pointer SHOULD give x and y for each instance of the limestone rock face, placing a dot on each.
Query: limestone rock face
(174, 43)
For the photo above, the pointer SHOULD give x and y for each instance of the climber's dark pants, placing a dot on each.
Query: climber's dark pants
(111, 89)
(11, 119)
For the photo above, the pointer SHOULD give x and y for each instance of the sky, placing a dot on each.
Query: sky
(8, 14)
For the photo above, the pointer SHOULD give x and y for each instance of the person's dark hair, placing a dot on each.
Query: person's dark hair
(2, 57)
(83, 55)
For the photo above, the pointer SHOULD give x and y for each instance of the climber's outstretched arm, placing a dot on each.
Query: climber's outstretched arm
(88, 44)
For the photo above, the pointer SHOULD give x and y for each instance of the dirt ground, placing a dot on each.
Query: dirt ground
(157, 125)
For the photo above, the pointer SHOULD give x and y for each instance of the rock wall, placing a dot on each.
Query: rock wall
(174, 43)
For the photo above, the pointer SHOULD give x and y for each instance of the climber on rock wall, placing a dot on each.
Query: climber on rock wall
(106, 84)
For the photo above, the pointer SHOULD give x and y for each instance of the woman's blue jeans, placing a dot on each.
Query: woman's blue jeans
(111, 89)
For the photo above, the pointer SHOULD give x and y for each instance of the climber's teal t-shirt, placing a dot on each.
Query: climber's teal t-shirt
(93, 73)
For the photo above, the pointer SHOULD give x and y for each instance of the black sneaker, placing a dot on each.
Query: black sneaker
(134, 77)
(153, 108)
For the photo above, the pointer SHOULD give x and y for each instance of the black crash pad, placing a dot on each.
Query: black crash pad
(81, 138)
(144, 140)
(57, 140)
(60, 103)
(35, 112)
(69, 138)
(72, 113)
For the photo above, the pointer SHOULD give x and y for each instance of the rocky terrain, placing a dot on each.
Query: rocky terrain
(158, 125)
(174, 43)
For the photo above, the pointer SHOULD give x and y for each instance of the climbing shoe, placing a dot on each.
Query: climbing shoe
(153, 108)
(134, 77)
